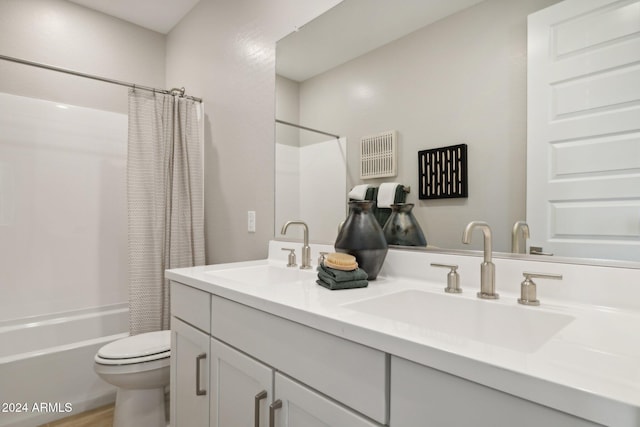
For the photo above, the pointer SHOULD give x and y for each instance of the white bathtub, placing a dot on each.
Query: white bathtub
(46, 364)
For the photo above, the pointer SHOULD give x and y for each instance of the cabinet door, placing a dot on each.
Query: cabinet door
(241, 388)
(189, 375)
(298, 406)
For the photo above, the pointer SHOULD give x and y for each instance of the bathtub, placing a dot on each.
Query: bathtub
(46, 364)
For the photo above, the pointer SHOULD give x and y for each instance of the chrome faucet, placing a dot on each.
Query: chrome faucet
(520, 228)
(306, 250)
(487, 268)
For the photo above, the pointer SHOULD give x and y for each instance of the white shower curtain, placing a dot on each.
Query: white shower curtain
(164, 201)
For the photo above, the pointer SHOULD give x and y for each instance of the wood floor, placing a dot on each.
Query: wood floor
(99, 417)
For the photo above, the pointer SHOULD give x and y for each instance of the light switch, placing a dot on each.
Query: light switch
(251, 221)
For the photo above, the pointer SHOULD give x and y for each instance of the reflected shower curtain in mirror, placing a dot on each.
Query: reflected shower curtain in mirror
(164, 201)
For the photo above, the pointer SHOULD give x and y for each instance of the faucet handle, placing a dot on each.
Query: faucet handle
(453, 278)
(528, 287)
(322, 256)
(292, 257)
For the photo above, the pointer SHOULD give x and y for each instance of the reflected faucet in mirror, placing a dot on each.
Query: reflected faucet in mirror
(487, 268)
(306, 250)
(520, 229)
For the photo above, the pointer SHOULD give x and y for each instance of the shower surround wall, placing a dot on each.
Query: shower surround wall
(63, 252)
(63, 238)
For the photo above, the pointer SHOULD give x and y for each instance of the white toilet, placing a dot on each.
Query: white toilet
(139, 366)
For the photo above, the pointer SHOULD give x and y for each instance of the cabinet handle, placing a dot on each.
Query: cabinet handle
(199, 391)
(256, 409)
(272, 411)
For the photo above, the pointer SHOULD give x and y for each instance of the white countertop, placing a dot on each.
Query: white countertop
(590, 368)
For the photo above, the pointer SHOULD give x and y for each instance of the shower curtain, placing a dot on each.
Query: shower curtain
(164, 201)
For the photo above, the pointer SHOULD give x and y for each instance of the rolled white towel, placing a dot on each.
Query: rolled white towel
(387, 194)
(358, 192)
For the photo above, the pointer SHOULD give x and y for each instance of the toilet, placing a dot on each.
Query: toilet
(139, 367)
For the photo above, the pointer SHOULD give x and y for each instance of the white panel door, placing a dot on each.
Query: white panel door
(583, 142)
(241, 388)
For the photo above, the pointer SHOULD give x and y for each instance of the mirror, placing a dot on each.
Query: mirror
(457, 74)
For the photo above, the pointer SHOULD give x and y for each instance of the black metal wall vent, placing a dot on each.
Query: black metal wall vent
(442, 172)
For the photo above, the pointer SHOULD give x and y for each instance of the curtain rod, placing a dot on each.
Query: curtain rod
(306, 128)
(102, 79)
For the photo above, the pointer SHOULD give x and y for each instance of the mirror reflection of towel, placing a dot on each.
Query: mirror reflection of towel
(358, 192)
(387, 194)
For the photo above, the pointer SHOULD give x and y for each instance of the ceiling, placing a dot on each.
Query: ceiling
(156, 15)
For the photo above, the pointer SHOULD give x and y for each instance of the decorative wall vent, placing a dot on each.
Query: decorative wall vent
(442, 172)
(378, 155)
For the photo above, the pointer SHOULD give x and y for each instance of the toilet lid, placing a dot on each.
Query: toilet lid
(137, 346)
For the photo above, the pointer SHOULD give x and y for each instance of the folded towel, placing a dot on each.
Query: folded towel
(331, 274)
(358, 192)
(343, 285)
(387, 194)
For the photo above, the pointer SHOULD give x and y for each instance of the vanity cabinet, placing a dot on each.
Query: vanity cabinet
(422, 396)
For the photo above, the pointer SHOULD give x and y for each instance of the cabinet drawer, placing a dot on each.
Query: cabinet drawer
(191, 305)
(350, 373)
(420, 393)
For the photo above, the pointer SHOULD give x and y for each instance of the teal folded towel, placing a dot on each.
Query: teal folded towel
(340, 275)
(334, 279)
(343, 285)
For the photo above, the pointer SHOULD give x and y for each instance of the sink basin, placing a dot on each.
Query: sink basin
(518, 328)
(264, 274)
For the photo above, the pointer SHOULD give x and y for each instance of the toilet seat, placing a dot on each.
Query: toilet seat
(147, 347)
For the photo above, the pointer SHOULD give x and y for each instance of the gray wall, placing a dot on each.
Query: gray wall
(459, 80)
(224, 51)
(66, 35)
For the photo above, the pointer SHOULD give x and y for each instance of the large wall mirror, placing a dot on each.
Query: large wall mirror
(439, 73)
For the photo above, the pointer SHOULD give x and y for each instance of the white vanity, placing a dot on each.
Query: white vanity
(257, 340)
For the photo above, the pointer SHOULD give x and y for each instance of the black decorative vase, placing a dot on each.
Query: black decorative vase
(362, 237)
(402, 227)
